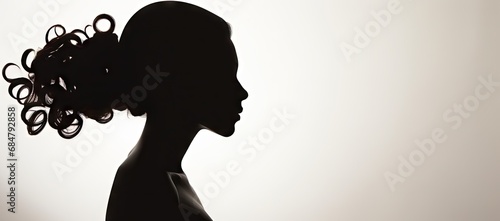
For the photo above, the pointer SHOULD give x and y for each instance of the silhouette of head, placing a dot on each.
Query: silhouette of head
(194, 46)
(172, 58)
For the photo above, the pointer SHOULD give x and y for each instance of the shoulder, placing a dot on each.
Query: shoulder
(142, 194)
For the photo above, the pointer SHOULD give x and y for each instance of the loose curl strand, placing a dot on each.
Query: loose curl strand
(67, 79)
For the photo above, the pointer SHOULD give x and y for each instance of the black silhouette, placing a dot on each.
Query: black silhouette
(174, 62)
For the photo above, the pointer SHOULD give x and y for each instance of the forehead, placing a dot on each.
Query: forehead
(221, 63)
(220, 51)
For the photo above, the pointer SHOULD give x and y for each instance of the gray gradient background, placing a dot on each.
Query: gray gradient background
(353, 119)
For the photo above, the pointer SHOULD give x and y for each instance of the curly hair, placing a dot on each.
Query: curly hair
(69, 76)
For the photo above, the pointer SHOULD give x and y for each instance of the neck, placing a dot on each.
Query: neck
(164, 141)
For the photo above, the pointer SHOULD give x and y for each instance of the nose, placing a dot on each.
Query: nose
(243, 94)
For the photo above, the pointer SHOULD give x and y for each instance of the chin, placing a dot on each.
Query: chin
(221, 126)
(227, 134)
(225, 131)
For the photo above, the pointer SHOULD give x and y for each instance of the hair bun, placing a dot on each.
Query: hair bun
(70, 78)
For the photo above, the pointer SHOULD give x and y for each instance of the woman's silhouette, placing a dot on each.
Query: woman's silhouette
(174, 62)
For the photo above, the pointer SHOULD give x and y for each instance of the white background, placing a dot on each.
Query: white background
(353, 119)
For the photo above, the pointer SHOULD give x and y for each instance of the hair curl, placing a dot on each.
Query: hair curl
(70, 77)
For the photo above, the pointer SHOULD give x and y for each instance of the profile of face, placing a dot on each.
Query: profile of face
(211, 93)
(220, 102)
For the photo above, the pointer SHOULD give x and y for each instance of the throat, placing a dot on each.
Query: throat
(164, 142)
